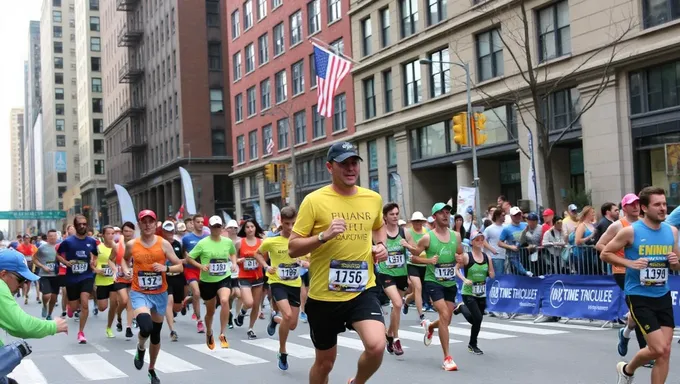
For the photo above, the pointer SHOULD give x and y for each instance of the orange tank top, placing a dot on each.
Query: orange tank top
(615, 268)
(120, 252)
(250, 269)
(144, 278)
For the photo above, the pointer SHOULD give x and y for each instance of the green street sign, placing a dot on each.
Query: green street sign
(32, 215)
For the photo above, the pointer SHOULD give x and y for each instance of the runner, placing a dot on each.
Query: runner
(393, 275)
(250, 276)
(285, 282)
(78, 254)
(441, 245)
(192, 274)
(104, 280)
(213, 254)
(61, 275)
(231, 231)
(149, 294)
(337, 224)
(650, 248)
(27, 249)
(176, 280)
(476, 268)
(630, 205)
(123, 281)
(45, 261)
(416, 272)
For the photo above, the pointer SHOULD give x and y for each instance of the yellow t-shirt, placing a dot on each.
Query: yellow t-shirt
(103, 263)
(287, 269)
(341, 268)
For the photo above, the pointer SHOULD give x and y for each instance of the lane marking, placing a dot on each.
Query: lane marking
(482, 334)
(94, 367)
(418, 336)
(230, 356)
(400, 331)
(346, 342)
(27, 373)
(98, 347)
(295, 350)
(514, 328)
(560, 325)
(168, 363)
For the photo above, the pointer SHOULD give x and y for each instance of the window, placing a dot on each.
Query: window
(409, 17)
(657, 12)
(437, 11)
(278, 39)
(251, 96)
(265, 94)
(58, 63)
(247, 14)
(312, 71)
(413, 92)
(61, 177)
(58, 78)
(99, 167)
(440, 73)
(267, 139)
(216, 102)
(372, 155)
(212, 13)
(282, 133)
(97, 105)
(276, 3)
(431, 140)
(240, 150)
(60, 125)
(387, 87)
(58, 47)
(261, 9)
(369, 98)
(313, 16)
(214, 56)
(59, 93)
(235, 24)
(95, 44)
(319, 123)
(56, 31)
(96, 84)
(263, 48)
(94, 23)
(56, 16)
(300, 120)
(554, 36)
(252, 142)
(56, 3)
(561, 108)
(174, 63)
(281, 86)
(295, 28)
(61, 191)
(489, 55)
(250, 58)
(391, 152)
(61, 140)
(94, 5)
(98, 125)
(334, 10)
(59, 109)
(218, 141)
(237, 66)
(238, 107)
(95, 64)
(384, 27)
(298, 71)
(366, 35)
(655, 88)
(98, 146)
(338, 46)
(339, 113)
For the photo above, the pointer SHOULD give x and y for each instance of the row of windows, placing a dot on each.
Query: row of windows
(373, 179)
(95, 45)
(97, 125)
(97, 106)
(93, 4)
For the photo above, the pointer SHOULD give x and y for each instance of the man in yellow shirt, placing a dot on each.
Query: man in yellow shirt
(341, 225)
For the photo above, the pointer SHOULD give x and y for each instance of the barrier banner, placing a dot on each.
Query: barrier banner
(581, 297)
(674, 282)
(513, 294)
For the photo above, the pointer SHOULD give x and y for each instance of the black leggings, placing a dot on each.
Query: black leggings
(476, 306)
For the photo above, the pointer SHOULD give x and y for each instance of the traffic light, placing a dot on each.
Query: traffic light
(271, 172)
(460, 134)
(480, 125)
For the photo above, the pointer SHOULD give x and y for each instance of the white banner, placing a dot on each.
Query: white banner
(466, 199)
(534, 195)
(226, 217)
(276, 216)
(127, 208)
(188, 187)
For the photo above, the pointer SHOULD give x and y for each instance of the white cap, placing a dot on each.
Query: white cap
(214, 221)
(418, 216)
(430, 219)
(514, 211)
(401, 222)
(116, 229)
(181, 227)
(572, 208)
(232, 224)
(168, 226)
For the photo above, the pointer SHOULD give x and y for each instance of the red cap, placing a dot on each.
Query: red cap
(145, 213)
(548, 212)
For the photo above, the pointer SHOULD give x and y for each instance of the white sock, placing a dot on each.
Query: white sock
(626, 332)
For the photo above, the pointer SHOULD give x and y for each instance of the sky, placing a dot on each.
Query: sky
(14, 20)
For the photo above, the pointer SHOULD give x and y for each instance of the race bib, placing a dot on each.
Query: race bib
(250, 264)
(149, 280)
(444, 271)
(218, 267)
(347, 276)
(79, 267)
(50, 266)
(107, 270)
(288, 271)
(395, 260)
(654, 276)
(479, 289)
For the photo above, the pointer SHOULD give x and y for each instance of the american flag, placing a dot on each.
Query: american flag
(330, 70)
(180, 214)
(270, 146)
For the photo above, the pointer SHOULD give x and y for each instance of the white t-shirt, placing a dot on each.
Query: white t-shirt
(492, 234)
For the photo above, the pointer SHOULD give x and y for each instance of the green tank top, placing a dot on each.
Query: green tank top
(442, 273)
(416, 238)
(477, 273)
(395, 265)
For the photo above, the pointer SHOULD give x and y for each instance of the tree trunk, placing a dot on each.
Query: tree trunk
(549, 183)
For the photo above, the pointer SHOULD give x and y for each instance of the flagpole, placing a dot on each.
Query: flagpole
(328, 46)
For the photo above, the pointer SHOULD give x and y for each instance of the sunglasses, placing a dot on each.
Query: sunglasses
(20, 279)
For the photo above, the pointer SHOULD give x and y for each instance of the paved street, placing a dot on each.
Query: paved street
(516, 351)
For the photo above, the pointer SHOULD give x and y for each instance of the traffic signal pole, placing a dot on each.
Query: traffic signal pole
(471, 137)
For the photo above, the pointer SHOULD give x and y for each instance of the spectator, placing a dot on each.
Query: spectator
(554, 245)
(610, 213)
(583, 239)
(570, 220)
(548, 215)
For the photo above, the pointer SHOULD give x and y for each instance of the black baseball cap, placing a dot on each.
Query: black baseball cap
(342, 151)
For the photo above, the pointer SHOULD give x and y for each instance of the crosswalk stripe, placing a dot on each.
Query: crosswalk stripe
(346, 342)
(295, 350)
(168, 363)
(94, 367)
(482, 334)
(418, 336)
(560, 325)
(28, 373)
(228, 355)
(514, 328)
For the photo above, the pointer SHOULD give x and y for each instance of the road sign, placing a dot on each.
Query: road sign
(32, 215)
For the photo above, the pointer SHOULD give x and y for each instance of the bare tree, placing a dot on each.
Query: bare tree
(532, 85)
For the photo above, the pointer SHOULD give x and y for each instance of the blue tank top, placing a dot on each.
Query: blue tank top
(654, 245)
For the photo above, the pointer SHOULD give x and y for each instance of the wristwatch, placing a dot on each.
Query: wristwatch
(320, 238)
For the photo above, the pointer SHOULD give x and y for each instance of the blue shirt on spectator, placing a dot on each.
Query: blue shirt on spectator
(79, 252)
(510, 236)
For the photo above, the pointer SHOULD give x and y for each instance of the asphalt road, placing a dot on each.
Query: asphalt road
(515, 351)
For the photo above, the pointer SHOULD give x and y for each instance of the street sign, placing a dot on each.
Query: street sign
(32, 215)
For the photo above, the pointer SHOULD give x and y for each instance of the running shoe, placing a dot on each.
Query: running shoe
(475, 350)
(128, 333)
(303, 317)
(139, 358)
(194, 317)
(153, 377)
(231, 320)
(109, 333)
(449, 364)
(623, 377)
(119, 326)
(251, 335)
(458, 309)
(44, 312)
(398, 350)
(173, 336)
(81, 338)
(283, 361)
(69, 312)
(427, 339)
(223, 341)
(271, 327)
(96, 311)
(48, 318)
(210, 341)
(239, 319)
(650, 364)
(199, 327)
(404, 306)
(623, 343)
(389, 345)
(63, 315)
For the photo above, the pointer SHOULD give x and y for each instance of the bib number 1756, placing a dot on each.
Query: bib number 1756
(347, 276)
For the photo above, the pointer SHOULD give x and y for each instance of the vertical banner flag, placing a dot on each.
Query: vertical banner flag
(258, 213)
(330, 70)
(127, 209)
(188, 187)
(400, 193)
(466, 199)
(674, 282)
(533, 177)
(276, 216)
(226, 217)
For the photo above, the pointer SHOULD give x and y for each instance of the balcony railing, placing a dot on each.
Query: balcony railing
(126, 5)
(132, 109)
(130, 36)
(130, 73)
(134, 143)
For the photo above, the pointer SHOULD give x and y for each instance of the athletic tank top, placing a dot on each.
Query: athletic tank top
(144, 278)
(442, 273)
(477, 273)
(395, 265)
(416, 237)
(615, 268)
(250, 269)
(654, 245)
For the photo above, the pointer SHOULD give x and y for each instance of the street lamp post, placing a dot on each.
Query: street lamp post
(475, 174)
(293, 163)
